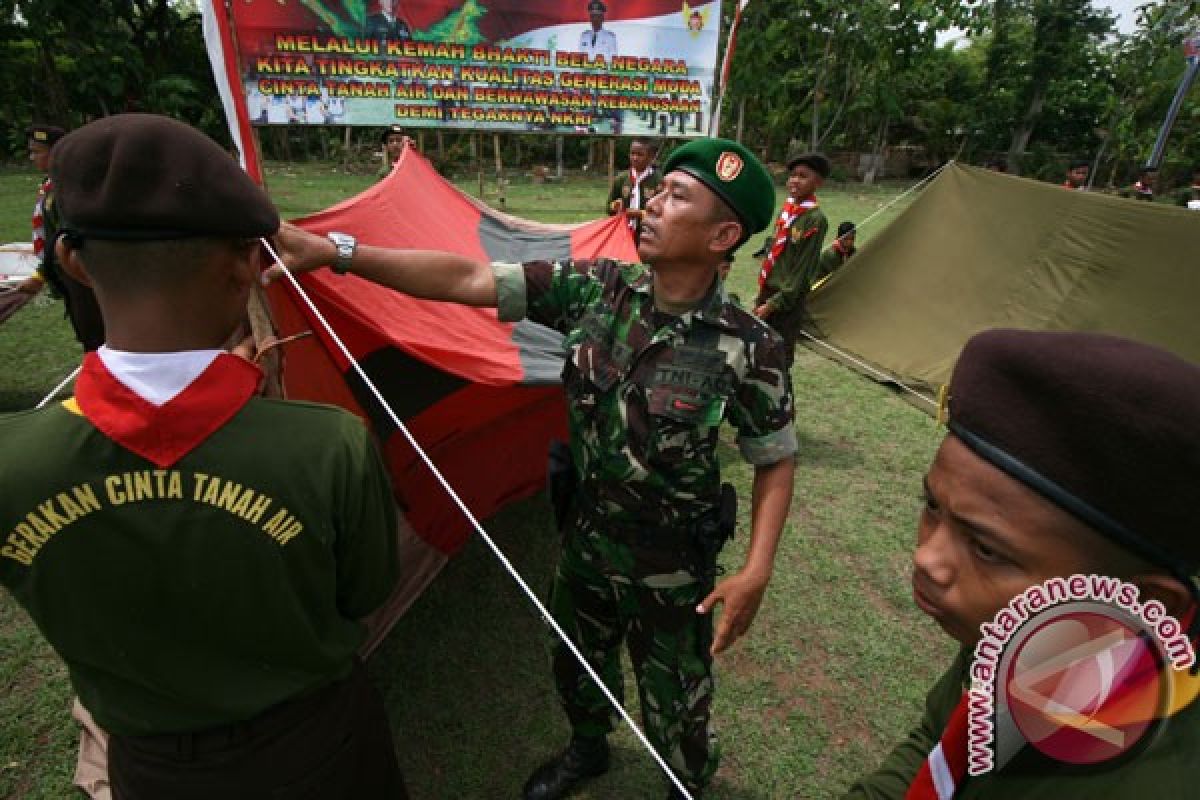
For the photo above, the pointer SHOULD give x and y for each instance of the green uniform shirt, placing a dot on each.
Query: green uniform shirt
(831, 261)
(1168, 768)
(647, 391)
(799, 265)
(622, 189)
(202, 594)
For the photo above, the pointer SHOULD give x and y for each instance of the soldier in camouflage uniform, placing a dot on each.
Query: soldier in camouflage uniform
(656, 358)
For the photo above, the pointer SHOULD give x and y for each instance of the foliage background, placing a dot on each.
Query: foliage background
(1038, 82)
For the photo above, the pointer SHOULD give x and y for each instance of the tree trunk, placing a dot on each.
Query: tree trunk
(877, 153)
(1024, 130)
(815, 133)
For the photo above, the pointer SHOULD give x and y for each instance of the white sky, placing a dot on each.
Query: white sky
(1123, 10)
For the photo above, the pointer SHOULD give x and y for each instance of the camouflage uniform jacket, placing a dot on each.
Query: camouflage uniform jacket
(647, 391)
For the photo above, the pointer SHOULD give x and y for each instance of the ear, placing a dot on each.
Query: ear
(68, 256)
(725, 236)
(1167, 590)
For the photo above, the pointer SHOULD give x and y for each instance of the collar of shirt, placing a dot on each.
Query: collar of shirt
(713, 308)
(156, 377)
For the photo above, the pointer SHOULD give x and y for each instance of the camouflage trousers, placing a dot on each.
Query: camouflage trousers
(606, 592)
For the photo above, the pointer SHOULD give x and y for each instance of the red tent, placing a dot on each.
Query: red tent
(483, 398)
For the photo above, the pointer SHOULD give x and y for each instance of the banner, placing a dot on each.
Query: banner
(581, 66)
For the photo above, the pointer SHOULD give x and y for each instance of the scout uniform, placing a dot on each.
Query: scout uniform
(197, 555)
(838, 253)
(634, 190)
(1123, 461)
(792, 264)
(79, 301)
(647, 392)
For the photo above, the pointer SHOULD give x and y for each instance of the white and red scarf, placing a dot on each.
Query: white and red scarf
(946, 765)
(635, 191)
(39, 220)
(791, 210)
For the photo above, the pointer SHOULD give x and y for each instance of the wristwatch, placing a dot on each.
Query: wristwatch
(346, 245)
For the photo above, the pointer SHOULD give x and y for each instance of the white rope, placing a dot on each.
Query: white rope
(474, 522)
(904, 194)
(870, 369)
(62, 384)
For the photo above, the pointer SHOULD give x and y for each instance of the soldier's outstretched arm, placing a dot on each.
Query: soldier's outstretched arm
(430, 274)
(742, 593)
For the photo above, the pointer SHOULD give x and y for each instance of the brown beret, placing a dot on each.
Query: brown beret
(147, 177)
(814, 161)
(44, 134)
(1107, 429)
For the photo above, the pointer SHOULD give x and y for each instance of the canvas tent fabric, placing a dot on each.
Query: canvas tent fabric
(979, 249)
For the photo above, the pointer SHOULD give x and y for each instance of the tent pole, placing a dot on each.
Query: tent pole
(612, 162)
(501, 199)
(1185, 83)
(479, 161)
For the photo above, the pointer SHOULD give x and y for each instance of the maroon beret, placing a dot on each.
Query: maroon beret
(44, 134)
(1106, 428)
(147, 177)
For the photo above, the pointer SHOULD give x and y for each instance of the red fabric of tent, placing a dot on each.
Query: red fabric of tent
(483, 398)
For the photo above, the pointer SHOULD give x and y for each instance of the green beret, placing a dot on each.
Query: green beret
(817, 162)
(147, 177)
(44, 134)
(733, 173)
(1107, 429)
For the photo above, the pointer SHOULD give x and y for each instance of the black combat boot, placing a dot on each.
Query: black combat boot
(584, 758)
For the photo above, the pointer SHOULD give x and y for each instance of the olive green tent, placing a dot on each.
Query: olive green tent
(978, 249)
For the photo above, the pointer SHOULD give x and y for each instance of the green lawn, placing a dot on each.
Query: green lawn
(831, 675)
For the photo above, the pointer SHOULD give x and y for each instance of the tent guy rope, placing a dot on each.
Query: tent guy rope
(516, 576)
(61, 385)
(870, 370)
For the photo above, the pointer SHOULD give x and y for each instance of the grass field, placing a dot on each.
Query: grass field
(831, 675)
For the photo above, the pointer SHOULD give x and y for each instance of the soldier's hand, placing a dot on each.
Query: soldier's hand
(615, 207)
(634, 213)
(762, 311)
(300, 250)
(741, 595)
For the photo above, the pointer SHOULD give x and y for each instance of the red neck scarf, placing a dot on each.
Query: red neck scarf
(39, 220)
(635, 191)
(944, 769)
(164, 434)
(791, 210)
